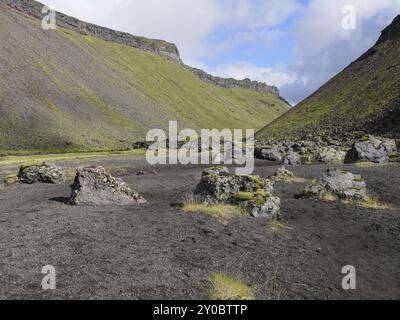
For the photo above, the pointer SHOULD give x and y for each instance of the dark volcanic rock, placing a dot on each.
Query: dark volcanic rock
(45, 173)
(94, 186)
(141, 145)
(268, 153)
(250, 192)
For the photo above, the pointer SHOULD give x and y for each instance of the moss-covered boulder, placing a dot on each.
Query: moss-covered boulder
(250, 192)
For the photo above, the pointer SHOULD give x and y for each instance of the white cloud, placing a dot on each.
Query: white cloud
(241, 70)
(324, 47)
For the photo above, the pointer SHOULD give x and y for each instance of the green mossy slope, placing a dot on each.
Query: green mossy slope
(60, 90)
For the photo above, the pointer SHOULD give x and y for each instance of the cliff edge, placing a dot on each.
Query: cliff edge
(159, 47)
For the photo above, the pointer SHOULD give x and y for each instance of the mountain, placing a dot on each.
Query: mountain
(85, 87)
(363, 98)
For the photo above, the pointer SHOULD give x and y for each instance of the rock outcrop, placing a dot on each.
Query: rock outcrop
(340, 184)
(233, 83)
(45, 173)
(273, 153)
(330, 155)
(94, 186)
(371, 149)
(252, 193)
(391, 32)
(292, 159)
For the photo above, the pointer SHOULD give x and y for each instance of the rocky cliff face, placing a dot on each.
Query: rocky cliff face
(233, 83)
(159, 47)
(392, 32)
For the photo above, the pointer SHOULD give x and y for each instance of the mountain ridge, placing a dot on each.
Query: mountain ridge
(160, 47)
(362, 98)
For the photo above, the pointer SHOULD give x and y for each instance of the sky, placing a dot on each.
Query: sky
(296, 45)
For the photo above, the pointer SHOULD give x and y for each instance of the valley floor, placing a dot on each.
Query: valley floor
(154, 251)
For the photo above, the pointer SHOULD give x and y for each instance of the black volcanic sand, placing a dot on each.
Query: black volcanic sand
(153, 251)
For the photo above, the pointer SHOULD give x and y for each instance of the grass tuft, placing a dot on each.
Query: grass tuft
(11, 179)
(292, 179)
(366, 165)
(224, 287)
(329, 197)
(373, 203)
(223, 213)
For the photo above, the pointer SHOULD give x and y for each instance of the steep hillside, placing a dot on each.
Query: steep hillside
(66, 89)
(365, 97)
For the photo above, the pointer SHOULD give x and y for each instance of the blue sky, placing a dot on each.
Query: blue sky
(296, 45)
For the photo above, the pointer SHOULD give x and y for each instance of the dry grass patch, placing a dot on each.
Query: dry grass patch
(40, 158)
(10, 179)
(223, 213)
(367, 164)
(329, 197)
(292, 179)
(224, 287)
(372, 203)
(281, 228)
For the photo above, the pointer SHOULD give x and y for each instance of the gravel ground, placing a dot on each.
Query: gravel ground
(153, 251)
